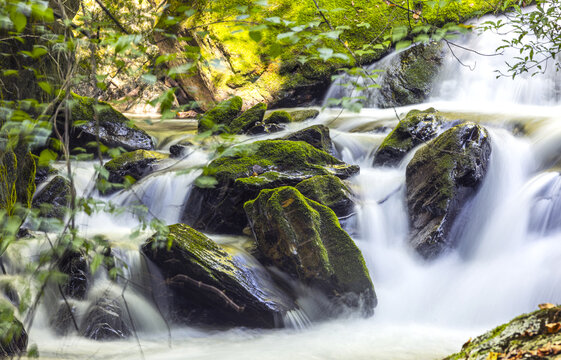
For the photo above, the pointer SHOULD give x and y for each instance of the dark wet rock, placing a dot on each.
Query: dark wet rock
(54, 198)
(220, 209)
(13, 337)
(278, 117)
(75, 265)
(261, 128)
(105, 321)
(135, 165)
(409, 78)
(248, 119)
(304, 239)
(200, 272)
(43, 173)
(330, 191)
(316, 135)
(9, 290)
(302, 115)
(529, 336)
(417, 127)
(63, 320)
(115, 130)
(220, 115)
(177, 151)
(440, 179)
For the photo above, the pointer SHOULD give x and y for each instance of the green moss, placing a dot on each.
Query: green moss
(302, 115)
(248, 119)
(328, 190)
(221, 114)
(133, 157)
(278, 117)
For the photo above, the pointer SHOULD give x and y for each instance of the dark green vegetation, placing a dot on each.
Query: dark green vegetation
(13, 337)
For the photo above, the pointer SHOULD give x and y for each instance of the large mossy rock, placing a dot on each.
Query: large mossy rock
(248, 119)
(530, 336)
(134, 164)
(245, 171)
(417, 127)
(316, 135)
(200, 272)
(410, 76)
(330, 191)
(304, 238)
(115, 130)
(13, 337)
(304, 114)
(54, 198)
(105, 321)
(222, 114)
(440, 179)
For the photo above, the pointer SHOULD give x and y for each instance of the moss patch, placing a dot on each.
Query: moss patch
(221, 114)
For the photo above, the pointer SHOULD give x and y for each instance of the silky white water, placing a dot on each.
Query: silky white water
(508, 236)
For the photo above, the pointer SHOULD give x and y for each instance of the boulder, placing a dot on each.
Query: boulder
(302, 115)
(63, 320)
(222, 114)
(104, 320)
(316, 135)
(248, 119)
(115, 130)
(529, 336)
(417, 127)
(75, 265)
(247, 169)
(330, 191)
(213, 286)
(278, 117)
(261, 128)
(134, 164)
(177, 151)
(410, 76)
(13, 337)
(440, 179)
(304, 239)
(54, 198)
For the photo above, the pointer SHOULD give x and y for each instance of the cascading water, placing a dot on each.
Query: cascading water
(505, 263)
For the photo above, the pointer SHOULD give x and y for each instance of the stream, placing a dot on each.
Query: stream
(506, 262)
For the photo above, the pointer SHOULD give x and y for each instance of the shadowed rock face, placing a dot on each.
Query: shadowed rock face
(248, 169)
(105, 321)
(440, 179)
(304, 239)
(316, 135)
(200, 273)
(56, 194)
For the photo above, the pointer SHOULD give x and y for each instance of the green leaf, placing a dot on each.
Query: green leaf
(402, 45)
(9, 72)
(255, 36)
(45, 86)
(96, 262)
(206, 182)
(19, 20)
(46, 157)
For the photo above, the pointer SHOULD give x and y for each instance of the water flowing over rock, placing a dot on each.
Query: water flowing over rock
(114, 128)
(222, 114)
(330, 191)
(304, 238)
(440, 179)
(212, 286)
(75, 265)
(417, 127)
(13, 337)
(246, 170)
(530, 336)
(316, 135)
(105, 321)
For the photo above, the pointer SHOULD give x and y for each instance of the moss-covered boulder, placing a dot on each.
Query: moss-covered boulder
(330, 191)
(410, 75)
(530, 336)
(13, 337)
(213, 286)
(222, 114)
(304, 238)
(278, 117)
(416, 128)
(440, 178)
(304, 114)
(247, 169)
(316, 135)
(53, 200)
(134, 164)
(248, 119)
(113, 128)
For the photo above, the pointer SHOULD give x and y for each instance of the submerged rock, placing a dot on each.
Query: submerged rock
(316, 135)
(220, 209)
(440, 179)
(248, 119)
(530, 336)
(212, 285)
(54, 198)
(417, 127)
(115, 130)
(304, 238)
(105, 321)
(222, 114)
(13, 337)
(135, 164)
(409, 78)
(330, 191)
